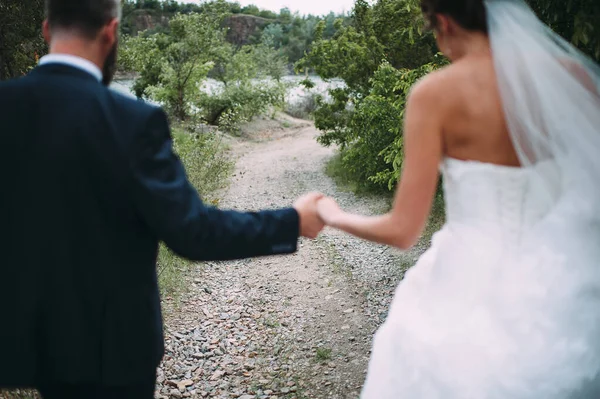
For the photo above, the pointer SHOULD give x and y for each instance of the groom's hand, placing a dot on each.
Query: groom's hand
(310, 222)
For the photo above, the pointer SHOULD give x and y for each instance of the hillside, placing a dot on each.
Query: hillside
(241, 27)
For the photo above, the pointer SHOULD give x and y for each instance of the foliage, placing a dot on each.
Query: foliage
(576, 20)
(391, 87)
(21, 42)
(207, 166)
(240, 102)
(172, 66)
(373, 55)
(289, 33)
(203, 155)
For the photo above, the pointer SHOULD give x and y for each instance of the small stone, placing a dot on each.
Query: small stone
(184, 384)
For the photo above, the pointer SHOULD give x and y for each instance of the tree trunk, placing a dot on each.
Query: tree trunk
(180, 106)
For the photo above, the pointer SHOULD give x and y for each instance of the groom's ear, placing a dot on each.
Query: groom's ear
(109, 33)
(46, 31)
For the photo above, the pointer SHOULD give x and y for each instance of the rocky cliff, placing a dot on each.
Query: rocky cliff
(241, 28)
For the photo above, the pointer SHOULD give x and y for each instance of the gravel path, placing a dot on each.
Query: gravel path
(296, 326)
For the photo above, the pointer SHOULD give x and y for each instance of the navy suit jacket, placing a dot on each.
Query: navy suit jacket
(90, 185)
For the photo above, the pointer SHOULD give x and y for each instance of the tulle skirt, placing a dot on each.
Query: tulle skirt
(486, 313)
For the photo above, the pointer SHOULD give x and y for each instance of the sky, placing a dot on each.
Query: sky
(315, 7)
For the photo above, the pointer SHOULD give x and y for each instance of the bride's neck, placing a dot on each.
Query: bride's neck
(473, 45)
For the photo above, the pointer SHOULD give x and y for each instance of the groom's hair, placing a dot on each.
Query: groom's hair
(86, 17)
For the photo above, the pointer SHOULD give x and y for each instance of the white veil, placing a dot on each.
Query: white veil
(550, 92)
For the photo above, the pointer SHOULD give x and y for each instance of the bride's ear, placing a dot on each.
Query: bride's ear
(442, 24)
(443, 31)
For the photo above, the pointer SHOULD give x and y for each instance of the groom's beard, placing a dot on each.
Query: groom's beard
(110, 66)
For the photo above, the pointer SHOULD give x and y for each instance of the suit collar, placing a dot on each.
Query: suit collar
(63, 69)
(74, 61)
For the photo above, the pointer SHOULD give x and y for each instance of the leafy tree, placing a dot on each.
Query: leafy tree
(576, 20)
(267, 14)
(396, 24)
(21, 42)
(272, 36)
(235, 8)
(172, 66)
(245, 91)
(251, 9)
(373, 55)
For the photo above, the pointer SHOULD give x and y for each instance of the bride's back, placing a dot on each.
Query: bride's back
(473, 121)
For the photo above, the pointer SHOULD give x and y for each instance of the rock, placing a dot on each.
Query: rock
(184, 384)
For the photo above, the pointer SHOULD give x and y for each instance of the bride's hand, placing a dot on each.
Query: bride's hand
(329, 211)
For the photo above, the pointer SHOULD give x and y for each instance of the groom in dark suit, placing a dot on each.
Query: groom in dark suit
(90, 185)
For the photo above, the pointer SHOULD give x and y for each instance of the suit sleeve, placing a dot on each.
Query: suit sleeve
(172, 208)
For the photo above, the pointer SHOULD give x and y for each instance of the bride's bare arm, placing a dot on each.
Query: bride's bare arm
(423, 148)
(580, 73)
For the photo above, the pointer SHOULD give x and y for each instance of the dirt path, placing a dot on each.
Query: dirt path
(298, 326)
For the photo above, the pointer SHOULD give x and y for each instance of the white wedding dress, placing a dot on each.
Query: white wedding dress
(506, 302)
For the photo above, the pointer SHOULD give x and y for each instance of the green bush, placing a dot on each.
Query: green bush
(379, 57)
(369, 133)
(240, 102)
(205, 160)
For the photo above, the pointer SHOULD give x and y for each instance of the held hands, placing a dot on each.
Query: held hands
(316, 211)
(310, 222)
(329, 211)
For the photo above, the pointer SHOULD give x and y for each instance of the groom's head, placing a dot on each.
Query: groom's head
(87, 28)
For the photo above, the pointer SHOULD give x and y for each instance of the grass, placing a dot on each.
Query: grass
(346, 180)
(272, 323)
(205, 159)
(19, 394)
(323, 354)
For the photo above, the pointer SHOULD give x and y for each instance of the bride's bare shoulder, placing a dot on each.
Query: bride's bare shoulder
(435, 84)
(445, 84)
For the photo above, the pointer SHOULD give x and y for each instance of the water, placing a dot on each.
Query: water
(295, 93)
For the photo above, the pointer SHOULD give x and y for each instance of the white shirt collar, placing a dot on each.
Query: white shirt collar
(74, 61)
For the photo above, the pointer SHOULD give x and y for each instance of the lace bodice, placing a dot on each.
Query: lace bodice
(491, 197)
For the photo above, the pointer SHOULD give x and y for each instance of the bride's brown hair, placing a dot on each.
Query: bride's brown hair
(470, 14)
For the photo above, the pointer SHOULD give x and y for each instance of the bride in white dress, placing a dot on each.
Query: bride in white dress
(506, 302)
